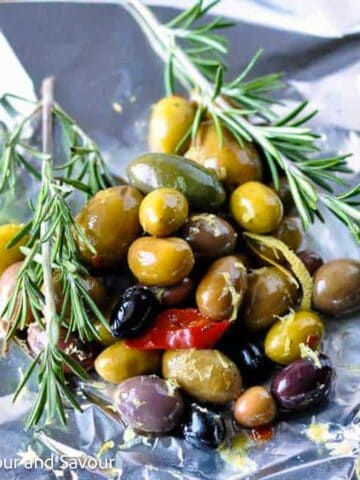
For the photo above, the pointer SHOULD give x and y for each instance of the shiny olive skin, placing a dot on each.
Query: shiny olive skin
(337, 287)
(8, 256)
(163, 211)
(171, 117)
(149, 404)
(176, 295)
(110, 221)
(232, 163)
(255, 407)
(282, 341)
(155, 170)
(160, 262)
(209, 236)
(256, 207)
(133, 313)
(270, 293)
(82, 353)
(221, 291)
(311, 260)
(205, 428)
(119, 362)
(302, 385)
(207, 375)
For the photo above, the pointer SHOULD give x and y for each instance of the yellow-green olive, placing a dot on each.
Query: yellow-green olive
(160, 262)
(256, 207)
(255, 407)
(207, 375)
(119, 362)
(105, 336)
(270, 293)
(232, 163)
(171, 118)
(163, 211)
(282, 342)
(222, 289)
(13, 254)
(110, 222)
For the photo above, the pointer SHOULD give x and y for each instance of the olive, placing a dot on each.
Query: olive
(161, 262)
(221, 291)
(311, 260)
(270, 294)
(249, 357)
(119, 362)
(282, 342)
(233, 163)
(337, 287)
(155, 170)
(171, 117)
(207, 375)
(176, 295)
(284, 193)
(205, 428)
(82, 353)
(303, 384)
(112, 180)
(256, 207)
(255, 407)
(105, 337)
(149, 404)
(133, 313)
(209, 236)
(8, 256)
(110, 222)
(163, 211)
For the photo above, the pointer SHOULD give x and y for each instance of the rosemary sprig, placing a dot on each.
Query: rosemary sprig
(287, 143)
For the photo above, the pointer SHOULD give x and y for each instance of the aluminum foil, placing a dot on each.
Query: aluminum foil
(101, 59)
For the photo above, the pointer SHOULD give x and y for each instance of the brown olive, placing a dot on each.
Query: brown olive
(284, 193)
(209, 236)
(176, 295)
(311, 260)
(110, 221)
(337, 287)
(270, 293)
(222, 289)
(255, 407)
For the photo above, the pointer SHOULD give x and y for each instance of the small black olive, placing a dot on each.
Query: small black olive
(205, 428)
(133, 313)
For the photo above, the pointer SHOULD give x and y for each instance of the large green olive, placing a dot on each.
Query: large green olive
(282, 342)
(337, 287)
(270, 293)
(155, 170)
(207, 375)
(256, 207)
(119, 362)
(160, 262)
(110, 221)
(171, 118)
(232, 163)
(209, 236)
(222, 289)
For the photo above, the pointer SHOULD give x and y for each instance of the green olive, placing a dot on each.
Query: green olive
(270, 293)
(160, 262)
(256, 207)
(119, 362)
(282, 342)
(105, 336)
(171, 118)
(222, 289)
(232, 163)
(207, 375)
(110, 222)
(8, 256)
(255, 407)
(163, 211)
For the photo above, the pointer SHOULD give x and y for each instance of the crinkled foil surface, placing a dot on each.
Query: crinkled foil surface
(100, 56)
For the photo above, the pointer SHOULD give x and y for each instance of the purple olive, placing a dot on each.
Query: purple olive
(149, 404)
(303, 385)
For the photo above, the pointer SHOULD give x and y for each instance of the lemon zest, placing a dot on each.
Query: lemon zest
(307, 352)
(105, 447)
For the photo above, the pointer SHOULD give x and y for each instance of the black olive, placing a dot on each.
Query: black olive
(133, 313)
(249, 357)
(205, 428)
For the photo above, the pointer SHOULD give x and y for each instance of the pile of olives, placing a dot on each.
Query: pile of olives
(207, 322)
